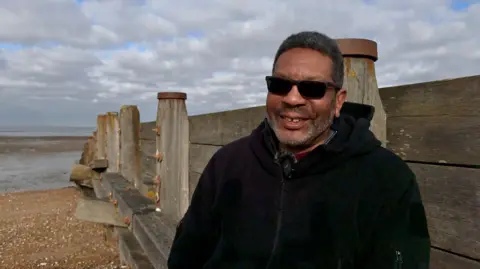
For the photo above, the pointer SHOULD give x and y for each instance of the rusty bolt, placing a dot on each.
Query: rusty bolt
(115, 202)
(157, 130)
(126, 220)
(159, 156)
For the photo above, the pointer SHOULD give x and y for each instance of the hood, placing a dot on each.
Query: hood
(352, 138)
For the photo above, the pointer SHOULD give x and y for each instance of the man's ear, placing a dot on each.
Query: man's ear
(340, 99)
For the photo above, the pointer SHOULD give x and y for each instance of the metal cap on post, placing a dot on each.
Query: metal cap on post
(172, 154)
(172, 95)
(358, 47)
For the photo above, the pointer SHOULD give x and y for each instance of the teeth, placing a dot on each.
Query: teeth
(292, 120)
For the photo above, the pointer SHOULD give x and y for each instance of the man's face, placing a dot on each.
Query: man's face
(300, 122)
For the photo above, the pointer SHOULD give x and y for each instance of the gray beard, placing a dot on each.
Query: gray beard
(319, 127)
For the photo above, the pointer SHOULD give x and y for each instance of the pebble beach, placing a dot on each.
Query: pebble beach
(37, 203)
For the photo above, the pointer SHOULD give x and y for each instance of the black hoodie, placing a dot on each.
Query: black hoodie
(348, 204)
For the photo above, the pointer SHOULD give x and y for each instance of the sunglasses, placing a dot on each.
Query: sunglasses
(307, 88)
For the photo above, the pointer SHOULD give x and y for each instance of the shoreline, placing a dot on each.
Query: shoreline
(41, 144)
(44, 137)
(38, 229)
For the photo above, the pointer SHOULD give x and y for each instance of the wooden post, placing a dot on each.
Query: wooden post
(90, 153)
(130, 146)
(113, 142)
(172, 154)
(361, 82)
(101, 140)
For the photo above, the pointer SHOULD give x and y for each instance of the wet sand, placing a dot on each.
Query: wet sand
(45, 144)
(37, 202)
(37, 163)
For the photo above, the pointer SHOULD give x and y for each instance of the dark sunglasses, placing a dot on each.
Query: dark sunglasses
(307, 88)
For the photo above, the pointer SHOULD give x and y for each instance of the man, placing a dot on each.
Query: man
(311, 187)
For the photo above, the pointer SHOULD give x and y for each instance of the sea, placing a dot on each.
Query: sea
(26, 169)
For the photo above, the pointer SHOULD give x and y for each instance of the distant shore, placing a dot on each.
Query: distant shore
(41, 144)
(38, 230)
(37, 162)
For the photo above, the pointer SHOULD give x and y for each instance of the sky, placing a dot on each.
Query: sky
(62, 62)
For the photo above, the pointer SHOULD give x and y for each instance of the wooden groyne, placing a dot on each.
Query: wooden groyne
(144, 174)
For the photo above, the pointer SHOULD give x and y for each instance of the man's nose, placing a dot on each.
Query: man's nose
(294, 98)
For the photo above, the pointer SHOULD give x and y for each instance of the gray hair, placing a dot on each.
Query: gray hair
(319, 42)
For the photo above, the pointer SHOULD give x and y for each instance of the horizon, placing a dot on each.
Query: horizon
(124, 52)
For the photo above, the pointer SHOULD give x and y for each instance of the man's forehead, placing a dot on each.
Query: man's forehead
(301, 75)
(303, 64)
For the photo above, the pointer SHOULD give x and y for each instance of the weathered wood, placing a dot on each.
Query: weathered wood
(130, 250)
(443, 260)
(129, 200)
(99, 164)
(154, 237)
(200, 155)
(91, 144)
(361, 85)
(173, 144)
(436, 139)
(113, 142)
(148, 147)
(224, 127)
(361, 82)
(148, 165)
(82, 174)
(435, 121)
(88, 153)
(452, 202)
(101, 139)
(130, 146)
(452, 97)
(147, 131)
(98, 211)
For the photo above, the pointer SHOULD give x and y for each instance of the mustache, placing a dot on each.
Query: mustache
(303, 112)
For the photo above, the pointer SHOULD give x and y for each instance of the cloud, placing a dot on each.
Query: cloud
(64, 61)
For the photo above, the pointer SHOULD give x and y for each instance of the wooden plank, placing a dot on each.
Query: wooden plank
(98, 211)
(148, 164)
(452, 202)
(147, 132)
(443, 260)
(436, 139)
(131, 251)
(435, 121)
(148, 147)
(99, 164)
(453, 97)
(200, 155)
(224, 127)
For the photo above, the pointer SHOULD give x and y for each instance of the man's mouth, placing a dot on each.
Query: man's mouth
(291, 119)
(292, 123)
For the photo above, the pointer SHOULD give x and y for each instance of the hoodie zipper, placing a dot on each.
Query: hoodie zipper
(279, 223)
(398, 260)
